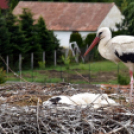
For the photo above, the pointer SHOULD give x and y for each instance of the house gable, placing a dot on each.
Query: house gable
(113, 17)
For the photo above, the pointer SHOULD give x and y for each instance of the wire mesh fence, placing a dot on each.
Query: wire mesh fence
(22, 111)
(34, 69)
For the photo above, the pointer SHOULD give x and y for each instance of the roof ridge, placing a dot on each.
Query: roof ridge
(68, 2)
(67, 16)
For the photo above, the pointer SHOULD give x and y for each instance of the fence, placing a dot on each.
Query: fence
(22, 111)
(34, 69)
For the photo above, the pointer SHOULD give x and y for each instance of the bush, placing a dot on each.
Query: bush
(3, 78)
(66, 61)
(122, 80)
(75, 36)
(41, 64)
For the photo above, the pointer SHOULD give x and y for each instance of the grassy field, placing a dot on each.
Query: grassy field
(91, 71)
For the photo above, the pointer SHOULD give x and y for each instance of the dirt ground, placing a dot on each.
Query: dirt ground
(76, 76)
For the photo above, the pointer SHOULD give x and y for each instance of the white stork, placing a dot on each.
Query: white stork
(119, 48)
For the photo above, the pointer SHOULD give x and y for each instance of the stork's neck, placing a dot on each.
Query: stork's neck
(103, 46)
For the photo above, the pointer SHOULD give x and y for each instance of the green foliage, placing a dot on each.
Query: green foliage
(82, 66)
(5, 47)
(28, 29)
(2, 76)
(47, 40)
(16, 35)
(66, 61)
(41, 64)
(128, 22)
(75, 36)
(122, 80)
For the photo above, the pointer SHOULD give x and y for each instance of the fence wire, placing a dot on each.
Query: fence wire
(22, 111)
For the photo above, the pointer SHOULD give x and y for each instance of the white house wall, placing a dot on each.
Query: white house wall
(113, 17)
(64, 37)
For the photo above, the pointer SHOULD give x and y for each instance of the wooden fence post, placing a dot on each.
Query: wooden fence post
(32, 60)
(44, 56)
(55, 58)
(32, 64)
(7, 63)
(20, 63)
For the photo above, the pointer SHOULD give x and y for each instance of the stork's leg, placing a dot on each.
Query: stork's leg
(131, 85)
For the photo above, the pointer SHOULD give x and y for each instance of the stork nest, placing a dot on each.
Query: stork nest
(22, 112)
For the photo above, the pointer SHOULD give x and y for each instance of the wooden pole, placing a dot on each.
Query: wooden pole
(20, 60)
(32, 62)
(55, 58)
(43, 56)
(7, 63)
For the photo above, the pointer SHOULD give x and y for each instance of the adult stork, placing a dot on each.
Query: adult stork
(119, 48)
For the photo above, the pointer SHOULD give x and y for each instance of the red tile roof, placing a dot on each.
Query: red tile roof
(65, 16)
(3, 4)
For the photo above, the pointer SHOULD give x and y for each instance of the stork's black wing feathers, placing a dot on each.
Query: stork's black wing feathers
(125, 57)
(55, 100)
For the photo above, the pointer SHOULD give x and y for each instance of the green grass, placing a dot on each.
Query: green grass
(88, 68)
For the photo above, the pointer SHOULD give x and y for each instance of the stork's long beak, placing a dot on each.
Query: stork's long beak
(96, 40)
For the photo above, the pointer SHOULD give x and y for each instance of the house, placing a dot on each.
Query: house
(66, 17)
(3, 4)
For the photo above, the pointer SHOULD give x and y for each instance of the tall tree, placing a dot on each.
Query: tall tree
(28, 29)
(32, 43)
(17, 39)
(47, 39)
(129, 19)
(5, 47)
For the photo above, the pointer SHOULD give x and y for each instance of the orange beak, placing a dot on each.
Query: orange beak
(96, 40)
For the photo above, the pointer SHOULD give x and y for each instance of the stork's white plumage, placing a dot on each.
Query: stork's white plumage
(119, 48)
(83, 99)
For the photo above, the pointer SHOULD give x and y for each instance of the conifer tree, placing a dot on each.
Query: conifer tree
(29, 30)
(5, 47)
(17, 39)
(47, 40)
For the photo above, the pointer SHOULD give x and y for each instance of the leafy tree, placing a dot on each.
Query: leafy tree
(128, 22)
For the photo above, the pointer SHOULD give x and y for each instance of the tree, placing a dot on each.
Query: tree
(28, 29)
(5, 48)
(128, 22)
(32, 42)
(47, 39)
(17, 39)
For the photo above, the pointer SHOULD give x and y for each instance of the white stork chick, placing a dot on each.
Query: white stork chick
(80, 99)
(119, 48)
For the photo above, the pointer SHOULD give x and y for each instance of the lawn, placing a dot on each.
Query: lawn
(94, 72)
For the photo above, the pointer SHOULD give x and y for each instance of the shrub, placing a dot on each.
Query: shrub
(122, 80)
(41, 64)
(66, 61)
(3, 78)
(75, 36)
